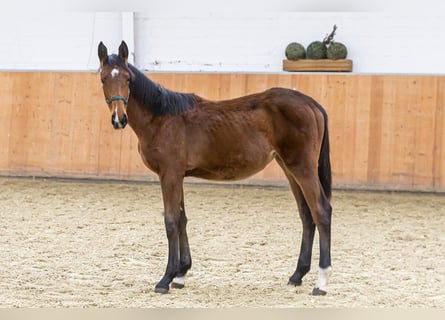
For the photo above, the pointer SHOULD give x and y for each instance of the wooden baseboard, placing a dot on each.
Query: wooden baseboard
(341, 65)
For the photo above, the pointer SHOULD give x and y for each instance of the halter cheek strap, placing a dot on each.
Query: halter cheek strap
(117, 98)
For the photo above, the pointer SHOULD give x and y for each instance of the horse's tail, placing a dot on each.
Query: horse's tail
(324, 160)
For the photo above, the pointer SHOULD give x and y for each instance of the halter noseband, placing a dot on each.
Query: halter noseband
(117, 98)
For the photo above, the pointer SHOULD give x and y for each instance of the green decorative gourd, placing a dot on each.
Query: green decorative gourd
(337, 50)
(327, 48)
(295, 51)
(316, 50)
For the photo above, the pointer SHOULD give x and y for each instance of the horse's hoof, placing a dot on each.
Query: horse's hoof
(178, 283)
(295, 283)
(318, 292)
(161, 290)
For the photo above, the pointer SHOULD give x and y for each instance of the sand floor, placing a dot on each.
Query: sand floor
(103, 244)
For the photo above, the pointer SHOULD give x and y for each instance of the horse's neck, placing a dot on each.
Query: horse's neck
(139, 118)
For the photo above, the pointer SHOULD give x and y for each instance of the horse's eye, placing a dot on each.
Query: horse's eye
(128, 80)
(102, 80)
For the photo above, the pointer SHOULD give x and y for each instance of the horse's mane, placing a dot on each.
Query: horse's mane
(157, 99)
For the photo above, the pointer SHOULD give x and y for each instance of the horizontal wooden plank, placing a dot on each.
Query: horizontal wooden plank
(341, 65)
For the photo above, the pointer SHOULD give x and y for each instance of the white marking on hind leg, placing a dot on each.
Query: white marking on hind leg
(178, 282)
(323, 277)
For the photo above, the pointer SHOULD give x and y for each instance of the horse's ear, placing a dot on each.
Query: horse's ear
(123, 52)
(102, 52)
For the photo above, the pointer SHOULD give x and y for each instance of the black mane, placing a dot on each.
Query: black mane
(157, 99)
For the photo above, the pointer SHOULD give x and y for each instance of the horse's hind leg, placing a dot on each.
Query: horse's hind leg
(320, 215)
(307, 238)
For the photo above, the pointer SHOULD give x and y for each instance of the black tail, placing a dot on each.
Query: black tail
(324, 161)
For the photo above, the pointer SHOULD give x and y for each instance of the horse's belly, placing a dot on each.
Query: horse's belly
(233, 169)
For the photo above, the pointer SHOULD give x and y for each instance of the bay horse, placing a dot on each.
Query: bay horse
(182, 135)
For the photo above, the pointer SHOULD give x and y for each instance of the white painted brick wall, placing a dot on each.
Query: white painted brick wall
(223, 41)
(377, 42)
(57, 40)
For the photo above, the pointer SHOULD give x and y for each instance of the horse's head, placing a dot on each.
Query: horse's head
(116, 77)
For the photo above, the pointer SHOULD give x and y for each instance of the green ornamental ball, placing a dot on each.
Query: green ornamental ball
(337, 50)
(316, 50)
(295, 51)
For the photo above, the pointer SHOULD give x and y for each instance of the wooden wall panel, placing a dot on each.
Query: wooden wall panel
(6, 89)
(438, 168)
(386, 131)
(60, 150)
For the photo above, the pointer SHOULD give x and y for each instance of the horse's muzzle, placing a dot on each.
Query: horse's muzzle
(119, 124)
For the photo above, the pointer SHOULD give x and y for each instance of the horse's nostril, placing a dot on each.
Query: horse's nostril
(124, 121)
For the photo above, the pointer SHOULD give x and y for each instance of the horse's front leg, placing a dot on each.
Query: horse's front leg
(185, 259)
(172, 196)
